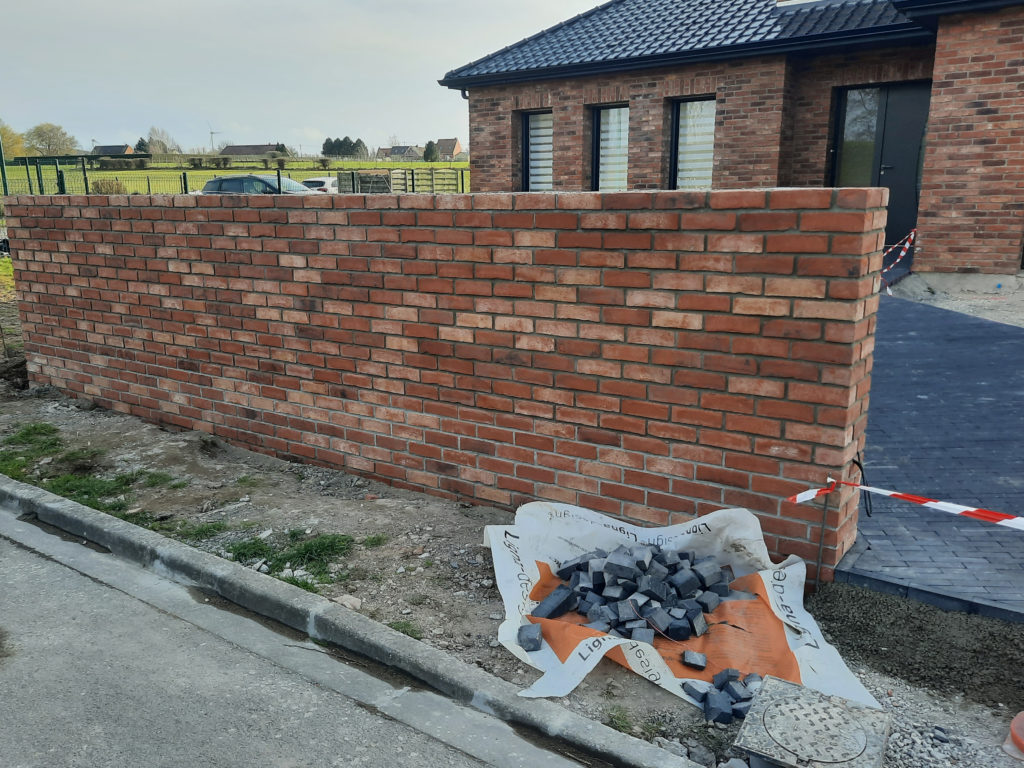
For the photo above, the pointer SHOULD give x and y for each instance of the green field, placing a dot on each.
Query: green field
(166, 178)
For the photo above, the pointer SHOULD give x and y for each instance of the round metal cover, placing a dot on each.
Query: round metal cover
(815, 730)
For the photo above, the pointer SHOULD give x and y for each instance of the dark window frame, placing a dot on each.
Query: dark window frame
(673, 162)
(595, 143)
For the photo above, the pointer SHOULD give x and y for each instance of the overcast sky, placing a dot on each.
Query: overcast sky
(258, 71)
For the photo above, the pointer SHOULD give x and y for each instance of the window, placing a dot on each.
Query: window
(611, 148)
(694, 144)
(538, 151)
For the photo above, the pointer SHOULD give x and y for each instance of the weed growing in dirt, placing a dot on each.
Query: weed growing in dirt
(305, 584)
(375, 540)
(80, 460)
(416, 599)
(178, 484)
(248, 481)
(296, 534)
(619, 719)
(407, 628)
(29, 444)
(251, 549)
(156, 479)
(96, 492)
(314, 555)
(200, 531)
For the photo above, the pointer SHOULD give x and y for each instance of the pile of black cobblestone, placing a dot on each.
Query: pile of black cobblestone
(643, 592)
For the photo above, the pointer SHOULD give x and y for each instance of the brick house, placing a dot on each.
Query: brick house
(921, 96)
(448, 149)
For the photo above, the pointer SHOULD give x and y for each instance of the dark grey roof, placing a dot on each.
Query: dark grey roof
(627, 34)
(112, 149)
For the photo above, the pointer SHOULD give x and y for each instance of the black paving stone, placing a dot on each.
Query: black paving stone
(946, 421)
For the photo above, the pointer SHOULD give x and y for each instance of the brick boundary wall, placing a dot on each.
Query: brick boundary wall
(650, 355)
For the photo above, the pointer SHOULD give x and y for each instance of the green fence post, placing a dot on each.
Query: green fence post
(411, 174)
(39, 176)
(149, 186)
(28, 176)
(85, 177)
(62, 188)
(433, 180)
(3, 171)
(184, 182)
(278, 181)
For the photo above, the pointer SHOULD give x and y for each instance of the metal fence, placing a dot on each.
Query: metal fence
(52, 177)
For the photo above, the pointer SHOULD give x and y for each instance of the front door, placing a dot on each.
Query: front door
(880, 143)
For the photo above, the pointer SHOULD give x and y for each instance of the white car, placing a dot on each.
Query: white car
(328, 184)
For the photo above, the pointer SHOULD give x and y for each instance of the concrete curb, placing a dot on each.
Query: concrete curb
(325, 620)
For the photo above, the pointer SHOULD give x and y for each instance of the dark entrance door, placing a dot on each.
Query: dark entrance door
(880, 143)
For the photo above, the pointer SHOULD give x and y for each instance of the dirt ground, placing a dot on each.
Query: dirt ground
(418, 564)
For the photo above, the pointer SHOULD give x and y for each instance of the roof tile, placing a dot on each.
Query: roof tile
(625, 30)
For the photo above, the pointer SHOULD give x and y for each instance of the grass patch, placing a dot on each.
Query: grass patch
(314, 555)
(295, 534)
(156, 479)
(200, 531)
(80, 457)
(178, 484)
(416, 599)
(92, 491)
(619, 719)
(305, 584)
(407, 628)
(248, 481)
(26, 446)
(143, 519)
(375, 540)
(251, 549)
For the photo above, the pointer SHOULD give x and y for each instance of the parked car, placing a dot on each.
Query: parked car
(328, 184)
(253, 184)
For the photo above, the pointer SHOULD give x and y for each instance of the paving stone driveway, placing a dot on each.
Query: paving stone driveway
(947, 421)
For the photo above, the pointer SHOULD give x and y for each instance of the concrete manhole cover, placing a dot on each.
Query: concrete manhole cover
(815, 730)
(796, 727)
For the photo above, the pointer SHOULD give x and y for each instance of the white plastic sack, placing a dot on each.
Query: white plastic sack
(768, 632)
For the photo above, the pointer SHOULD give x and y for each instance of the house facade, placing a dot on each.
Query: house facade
(921, 96)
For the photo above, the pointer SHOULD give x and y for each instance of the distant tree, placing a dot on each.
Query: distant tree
(328, 148)
(394, 141)
(281, 148)
(50, 139)
(359, 150)
(142, 146)
(347, 147)
(14, 142)
(324, 162)
(162, 143)
(430, 153)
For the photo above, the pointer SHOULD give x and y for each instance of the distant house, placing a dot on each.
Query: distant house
(405, 153)
(383, 153)
(448, 149)
(113, 149)
(234, 150)
(921, 96)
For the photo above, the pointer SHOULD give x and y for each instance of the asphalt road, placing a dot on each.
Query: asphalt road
(107, 664)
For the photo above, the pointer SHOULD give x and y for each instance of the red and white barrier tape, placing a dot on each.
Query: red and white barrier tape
(906, 242)
(987, 515)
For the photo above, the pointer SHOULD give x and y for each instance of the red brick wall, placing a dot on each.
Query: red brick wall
(749, 120)
(972, 198)
(650, 355)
